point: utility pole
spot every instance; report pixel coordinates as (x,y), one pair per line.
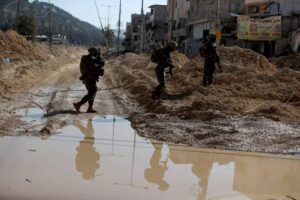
(17,14)
(142,28)
(49,31)
(101,25)
(119,26)
(219,22)
(109,7)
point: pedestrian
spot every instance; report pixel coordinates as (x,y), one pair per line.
(163,60)
(210,54)
(91,68)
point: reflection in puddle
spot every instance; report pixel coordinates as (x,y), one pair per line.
(104,158)
(155,173)
(30,114)
(87,158)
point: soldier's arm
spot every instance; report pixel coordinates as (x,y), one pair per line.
(100,61)
(82,65)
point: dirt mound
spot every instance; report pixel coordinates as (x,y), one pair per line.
(291,61)
(180,58)
(246,58)
(250,84)
(15,46)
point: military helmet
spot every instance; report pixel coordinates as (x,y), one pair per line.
(93,50)
(172,45)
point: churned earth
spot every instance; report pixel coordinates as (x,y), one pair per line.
(253,106)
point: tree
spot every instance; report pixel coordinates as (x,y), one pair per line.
(109,35)
(26,25)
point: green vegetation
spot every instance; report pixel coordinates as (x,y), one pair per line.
(34,18)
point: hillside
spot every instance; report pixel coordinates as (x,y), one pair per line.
(62,22)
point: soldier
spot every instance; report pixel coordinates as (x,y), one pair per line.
(210,54)
(91,68)
(163,60)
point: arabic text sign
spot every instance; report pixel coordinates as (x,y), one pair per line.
(259,29)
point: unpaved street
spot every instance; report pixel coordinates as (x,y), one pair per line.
(54,96)
(55,91)
(252,106)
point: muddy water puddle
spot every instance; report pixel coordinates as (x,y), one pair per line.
(103,158)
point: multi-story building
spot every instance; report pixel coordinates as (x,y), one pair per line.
(127,37)
(156,26)
(178,27)
(211,16)
(287,19)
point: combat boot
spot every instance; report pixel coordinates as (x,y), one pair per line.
(90,108)
(77,106)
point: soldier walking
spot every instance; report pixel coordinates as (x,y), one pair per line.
(210,54)
(91,68)
(163,60)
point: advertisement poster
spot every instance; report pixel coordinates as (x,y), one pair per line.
(259,29)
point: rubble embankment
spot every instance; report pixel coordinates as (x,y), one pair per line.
(252,104)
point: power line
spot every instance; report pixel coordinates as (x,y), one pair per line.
(109,7)
(101,25)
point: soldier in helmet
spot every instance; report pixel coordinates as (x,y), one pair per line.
(163,60)
(91,68)
(210,54)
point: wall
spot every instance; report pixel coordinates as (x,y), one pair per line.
(208,9)
(287,7)
(159,13)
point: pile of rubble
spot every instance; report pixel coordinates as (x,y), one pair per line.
(15,47)
(291,61)
(250,84)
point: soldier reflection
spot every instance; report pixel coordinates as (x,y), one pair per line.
(202,166)
(156,172)
(202,171)
(87,157)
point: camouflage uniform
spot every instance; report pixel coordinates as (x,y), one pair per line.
(90,68)
(211,57)
(163,62)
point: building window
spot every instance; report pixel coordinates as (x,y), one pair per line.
(274,8)
(152,11)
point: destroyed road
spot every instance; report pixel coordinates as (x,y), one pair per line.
(188,114)
(137,148)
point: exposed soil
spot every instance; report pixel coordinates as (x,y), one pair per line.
(291,61)
(252,106)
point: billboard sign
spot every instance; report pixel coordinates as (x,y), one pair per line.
(257,29)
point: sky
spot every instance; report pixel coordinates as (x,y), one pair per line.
(85,9)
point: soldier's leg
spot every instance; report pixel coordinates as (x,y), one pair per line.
(92,94)
(205,75)
(92,90)
(205,79)
(161,80)
(211,75)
